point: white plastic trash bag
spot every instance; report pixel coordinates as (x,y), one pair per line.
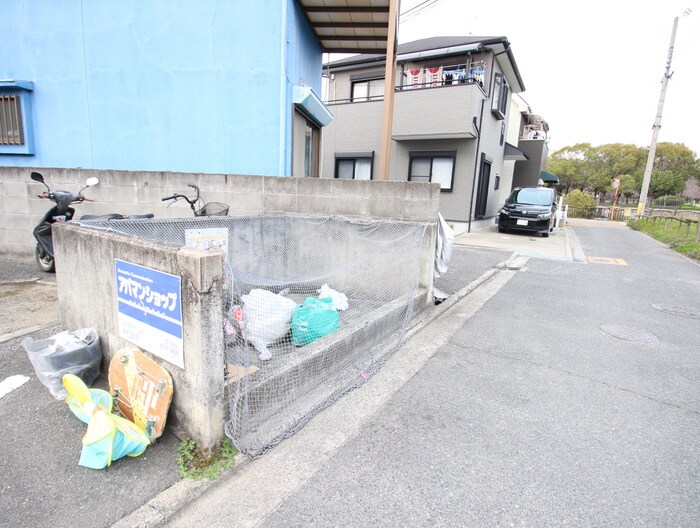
(267,317)
(76,352)
(340,300)
(443,248)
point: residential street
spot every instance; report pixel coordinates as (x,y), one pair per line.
(508,405)
(519,410)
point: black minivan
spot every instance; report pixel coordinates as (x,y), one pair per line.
(529,209)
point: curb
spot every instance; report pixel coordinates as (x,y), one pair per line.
(428,316)
(20,333)
(164,506)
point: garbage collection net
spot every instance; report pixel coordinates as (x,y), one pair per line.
(313,306)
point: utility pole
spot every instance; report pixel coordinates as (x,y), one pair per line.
(389,80)
(657,125)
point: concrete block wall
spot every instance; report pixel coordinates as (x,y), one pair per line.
(129,192)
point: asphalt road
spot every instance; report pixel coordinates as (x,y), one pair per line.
(41,484)
(519,411)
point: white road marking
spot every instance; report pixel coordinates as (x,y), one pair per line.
(9,384)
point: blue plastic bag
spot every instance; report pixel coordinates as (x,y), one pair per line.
(108,437)
(313,319)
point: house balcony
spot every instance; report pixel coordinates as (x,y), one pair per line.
(445,111)
(437,112)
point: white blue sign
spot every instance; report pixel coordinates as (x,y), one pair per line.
(149,310)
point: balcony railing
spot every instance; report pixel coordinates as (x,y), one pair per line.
(430,77)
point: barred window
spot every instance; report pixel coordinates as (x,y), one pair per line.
(11,130)
(16,132)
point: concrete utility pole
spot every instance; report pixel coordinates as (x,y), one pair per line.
(657,125)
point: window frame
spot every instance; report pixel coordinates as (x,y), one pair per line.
(22,91)
(367,82)
(499,98)
(431,155)
(354,156)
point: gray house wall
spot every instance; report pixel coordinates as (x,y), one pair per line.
(454,204)
(428,119)
(527,173)
(356,127)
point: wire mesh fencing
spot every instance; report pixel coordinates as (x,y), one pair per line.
(314,305)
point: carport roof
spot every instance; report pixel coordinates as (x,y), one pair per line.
(349,26)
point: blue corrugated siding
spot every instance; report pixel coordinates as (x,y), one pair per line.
(160,85)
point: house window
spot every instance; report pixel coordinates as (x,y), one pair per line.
(15,117)
(499,101)
(437,167)
(368,90)
(11,130)
(311,150)
(354,166)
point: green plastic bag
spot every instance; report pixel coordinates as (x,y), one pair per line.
(313,319)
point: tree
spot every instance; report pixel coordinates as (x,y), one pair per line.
(581,205)
(692,190)
(582,166)
(677,158)
(628,186)
(616,159)
(571,165)
(666,182)
(598,183)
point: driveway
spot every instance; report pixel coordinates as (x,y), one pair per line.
(561,244)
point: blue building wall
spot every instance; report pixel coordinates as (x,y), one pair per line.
(199,86)
(303,64)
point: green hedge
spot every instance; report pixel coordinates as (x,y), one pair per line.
(581,205)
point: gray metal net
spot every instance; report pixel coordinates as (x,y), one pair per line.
(314,305)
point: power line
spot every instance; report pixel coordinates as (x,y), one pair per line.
(417,10)
(417,6)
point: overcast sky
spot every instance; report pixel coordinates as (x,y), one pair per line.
(592,69)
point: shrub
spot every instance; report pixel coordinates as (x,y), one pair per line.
(581,205)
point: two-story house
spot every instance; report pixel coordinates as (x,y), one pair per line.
(450,121)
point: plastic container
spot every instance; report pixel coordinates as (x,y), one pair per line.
(76,352)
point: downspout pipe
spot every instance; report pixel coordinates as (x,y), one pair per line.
(476,164)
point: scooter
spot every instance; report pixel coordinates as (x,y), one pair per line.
(61,212)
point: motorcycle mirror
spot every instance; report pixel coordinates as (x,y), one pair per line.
(90,182)
(37,177)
